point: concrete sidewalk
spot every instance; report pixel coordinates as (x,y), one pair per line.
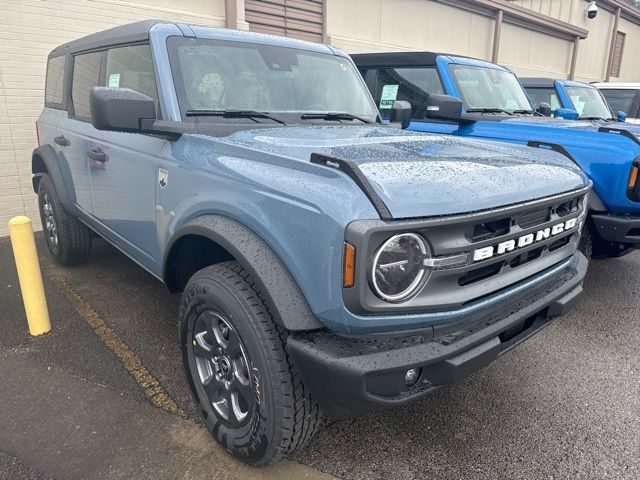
(71,428)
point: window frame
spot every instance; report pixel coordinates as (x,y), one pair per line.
(102,75)
(65,76)
(555,92)
(635,101)
(370,76)
(71,108)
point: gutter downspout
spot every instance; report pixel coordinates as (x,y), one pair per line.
(574,58)
(497,30)
(612,46)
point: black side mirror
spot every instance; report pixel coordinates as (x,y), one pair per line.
(401,113)
(121,110)
(443,107)
(544,108)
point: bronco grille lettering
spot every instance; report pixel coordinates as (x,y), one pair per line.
(515,243)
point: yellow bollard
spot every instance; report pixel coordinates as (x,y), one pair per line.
(24,251)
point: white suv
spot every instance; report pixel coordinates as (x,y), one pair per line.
(623,97)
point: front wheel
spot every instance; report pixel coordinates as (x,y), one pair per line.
(246,387)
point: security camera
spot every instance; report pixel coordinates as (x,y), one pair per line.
(592,10)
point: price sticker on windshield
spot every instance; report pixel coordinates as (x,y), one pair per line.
(389,94)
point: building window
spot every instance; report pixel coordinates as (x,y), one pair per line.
(618,48)
(302,19)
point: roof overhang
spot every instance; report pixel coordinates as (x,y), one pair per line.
(523,17)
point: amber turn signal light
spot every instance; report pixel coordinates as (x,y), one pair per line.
(633,178)
(349,266)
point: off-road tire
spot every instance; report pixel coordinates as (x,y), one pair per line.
(585,244)
(73,245)
(283,417)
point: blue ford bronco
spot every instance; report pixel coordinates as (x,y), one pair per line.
(474,98)
(328,264)
(570,100)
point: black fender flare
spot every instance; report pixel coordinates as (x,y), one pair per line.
(280,291)
(594,202)
(63,183)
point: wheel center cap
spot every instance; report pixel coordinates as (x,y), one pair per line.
(225,365)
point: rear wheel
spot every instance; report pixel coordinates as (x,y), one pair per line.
(68,239)
(247,389)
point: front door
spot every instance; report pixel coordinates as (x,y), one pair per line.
(124,166)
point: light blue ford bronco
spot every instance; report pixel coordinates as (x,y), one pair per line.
(328,264)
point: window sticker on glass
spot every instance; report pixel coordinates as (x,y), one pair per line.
(343,67)
(114,80)
(389,94)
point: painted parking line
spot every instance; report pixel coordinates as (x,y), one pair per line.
(129,360)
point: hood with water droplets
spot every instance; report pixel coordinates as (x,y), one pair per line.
(419,175)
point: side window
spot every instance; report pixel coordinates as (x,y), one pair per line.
(86,74)
(132,67)
(619,100)
(548,95)
(410,84)
(54,83)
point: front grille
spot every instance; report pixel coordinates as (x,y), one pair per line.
(534,217)
(518,240)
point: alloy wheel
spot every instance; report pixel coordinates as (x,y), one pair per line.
(222,368)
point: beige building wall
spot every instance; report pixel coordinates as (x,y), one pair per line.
(29,30)
(593,53)
(358,26)
(630,67)
(531,53)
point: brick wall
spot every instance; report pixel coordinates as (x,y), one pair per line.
(29,30)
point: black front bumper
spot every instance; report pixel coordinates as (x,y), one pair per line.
(349,376)
(618,228)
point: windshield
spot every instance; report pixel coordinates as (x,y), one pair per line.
(588,102)
(216,75)
(489,88)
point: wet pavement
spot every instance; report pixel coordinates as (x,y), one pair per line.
(566,404)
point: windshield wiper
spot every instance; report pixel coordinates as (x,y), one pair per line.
(233,114)
(488,110)
(596,118)
(333,116)
(529,112)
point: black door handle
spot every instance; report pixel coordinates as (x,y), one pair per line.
(61,140)
(97,154)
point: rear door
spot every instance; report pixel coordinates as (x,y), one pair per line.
(74,131)
(123,166)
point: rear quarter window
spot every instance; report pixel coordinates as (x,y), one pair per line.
(54,82)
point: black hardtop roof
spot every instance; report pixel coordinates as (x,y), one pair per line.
(130,33)
(537,82)
(395,59)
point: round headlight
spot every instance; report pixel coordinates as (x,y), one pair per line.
(398,267)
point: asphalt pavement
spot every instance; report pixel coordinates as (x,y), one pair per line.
(565,404)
